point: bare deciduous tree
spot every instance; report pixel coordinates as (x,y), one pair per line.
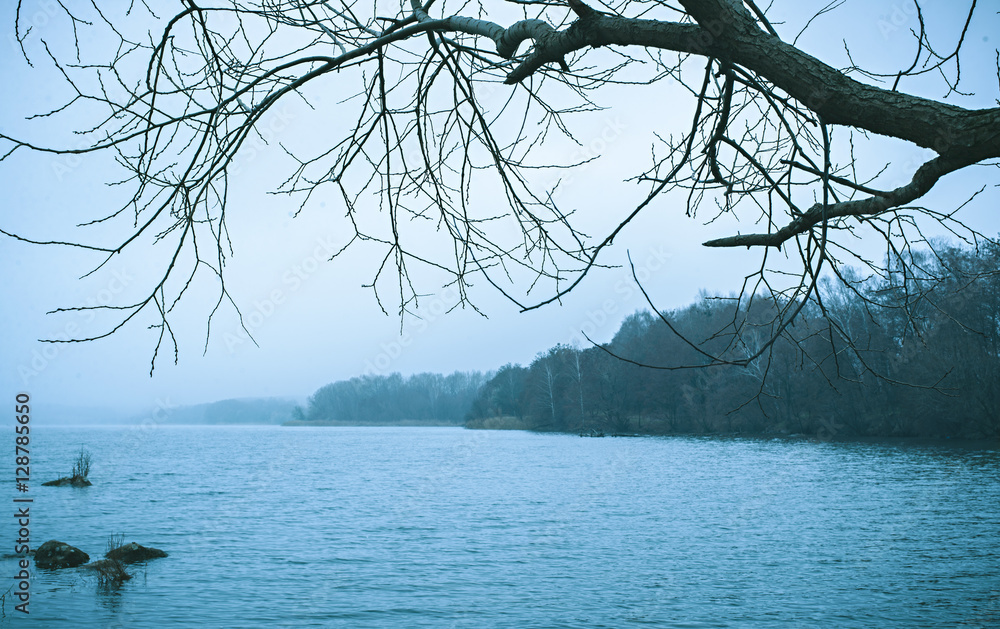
(184,93)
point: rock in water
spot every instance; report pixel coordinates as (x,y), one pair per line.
(75,481)
(132,552)
(54,554)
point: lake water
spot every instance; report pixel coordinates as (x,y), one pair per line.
(429,527)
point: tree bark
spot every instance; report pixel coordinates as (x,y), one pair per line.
(729,33)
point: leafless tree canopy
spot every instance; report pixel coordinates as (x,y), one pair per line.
(769,135)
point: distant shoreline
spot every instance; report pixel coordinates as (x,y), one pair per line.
(430,423)
(513,423)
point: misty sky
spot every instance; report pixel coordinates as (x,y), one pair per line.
(312,319)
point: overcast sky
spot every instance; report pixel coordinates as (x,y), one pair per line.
(312,319)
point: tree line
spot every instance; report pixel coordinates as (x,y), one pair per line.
(375,399)
(912,352)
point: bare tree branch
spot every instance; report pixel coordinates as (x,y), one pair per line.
(448,104)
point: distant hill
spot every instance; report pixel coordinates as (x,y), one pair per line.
(425,423)
(259,411)
(239,411)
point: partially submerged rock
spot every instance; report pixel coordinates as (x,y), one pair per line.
(132,553)
(55,554)
(75,481)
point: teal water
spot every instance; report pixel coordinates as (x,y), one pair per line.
(442,527)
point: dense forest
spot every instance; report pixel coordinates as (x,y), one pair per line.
(421,399)
(914,353)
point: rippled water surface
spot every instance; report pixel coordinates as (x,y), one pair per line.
(427,527)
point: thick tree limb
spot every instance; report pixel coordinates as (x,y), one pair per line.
(732,35)
(924,179)
(727,31)
(428,132)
